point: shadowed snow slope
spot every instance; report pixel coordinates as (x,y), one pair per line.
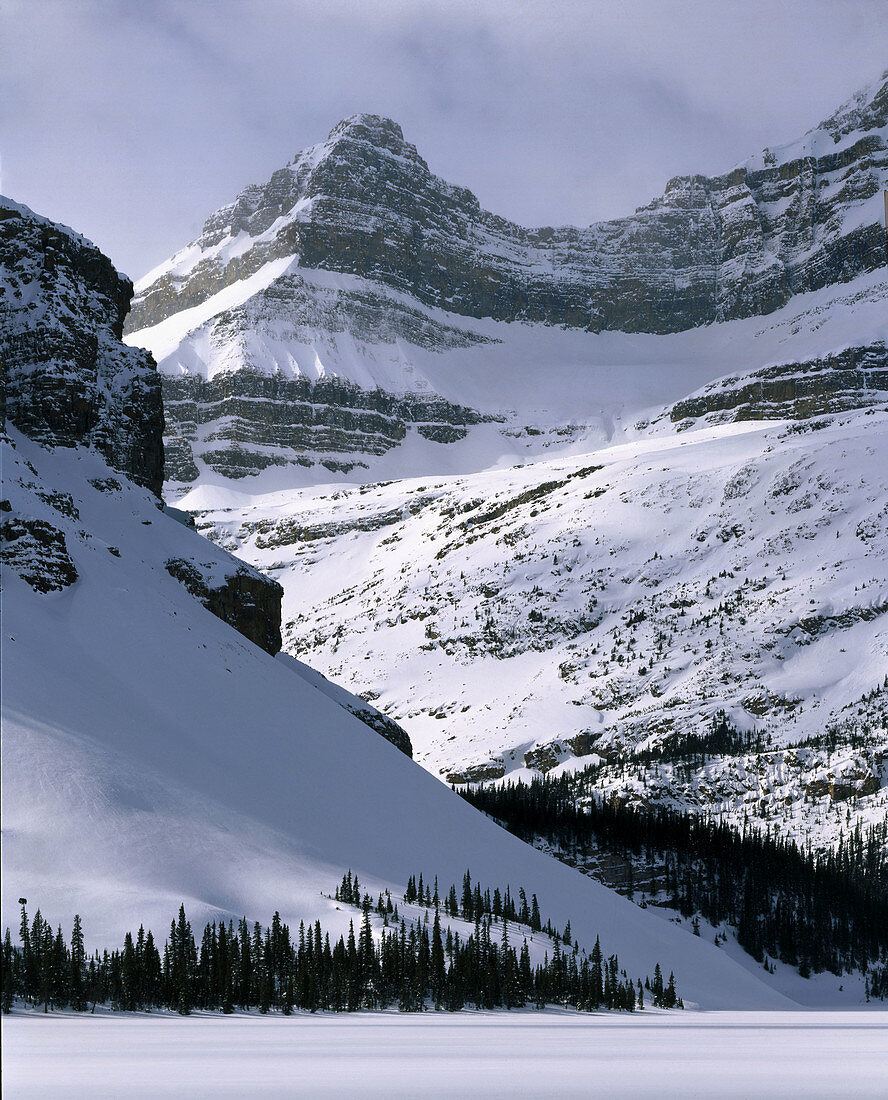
(153,755)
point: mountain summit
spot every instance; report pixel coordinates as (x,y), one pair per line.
(709,249)
(356,307)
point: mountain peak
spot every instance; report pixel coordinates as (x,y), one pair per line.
(375,130)
(867,109)
(365,203)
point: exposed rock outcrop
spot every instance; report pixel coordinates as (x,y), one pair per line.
(478,773)
(67,378)
(856,377)
(244,598)
(37,552)
(545,757)
(242,422)
(385,727)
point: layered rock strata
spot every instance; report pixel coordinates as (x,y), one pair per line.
(855,377)
(709,249)
(242,422)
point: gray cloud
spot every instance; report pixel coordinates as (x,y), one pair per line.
(134,119)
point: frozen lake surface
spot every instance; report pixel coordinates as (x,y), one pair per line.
(716,1054)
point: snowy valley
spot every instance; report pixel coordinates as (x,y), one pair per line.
(156,753)
(410,480)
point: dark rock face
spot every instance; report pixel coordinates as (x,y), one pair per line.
(710,249)
(243,598)
(260,420)
(69,381)
(37,551)
(67,378)
(545,757)
(478,773)
(853,378)
(385,727)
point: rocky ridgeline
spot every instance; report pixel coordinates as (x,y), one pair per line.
(242,422)
(709,249)
(855,377)
(67,378)
(316,293)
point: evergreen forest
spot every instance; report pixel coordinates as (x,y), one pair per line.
(815,911)
(408,964)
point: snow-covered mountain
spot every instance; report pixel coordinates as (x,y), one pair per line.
(596,492)
(152,754)
(593,546)
(594,608)
(359,317)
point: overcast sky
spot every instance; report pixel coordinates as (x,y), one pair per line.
(132,120)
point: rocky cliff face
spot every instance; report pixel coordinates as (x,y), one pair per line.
(853,378)
(67,378)
(68,381)
(242,422)
(274,382)
(709,249)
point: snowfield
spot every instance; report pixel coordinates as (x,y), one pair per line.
(815,1056)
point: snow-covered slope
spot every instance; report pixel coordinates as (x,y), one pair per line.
(153,755)
(588,608)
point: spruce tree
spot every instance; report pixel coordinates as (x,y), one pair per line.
(77,979)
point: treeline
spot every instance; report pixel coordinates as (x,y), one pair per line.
(814,911)
(412,965)
(695,749)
